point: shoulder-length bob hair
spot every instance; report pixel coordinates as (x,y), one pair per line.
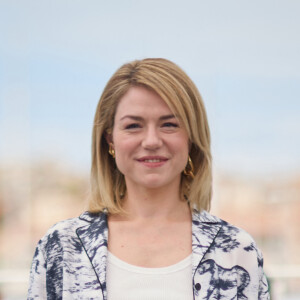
(179,92)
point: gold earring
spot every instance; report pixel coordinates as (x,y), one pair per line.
(111,150)
(189,169)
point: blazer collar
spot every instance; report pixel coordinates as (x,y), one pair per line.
(205,228)
(94,237)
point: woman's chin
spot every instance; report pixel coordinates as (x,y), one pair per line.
(156,183)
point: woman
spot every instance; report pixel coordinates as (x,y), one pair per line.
(147,234)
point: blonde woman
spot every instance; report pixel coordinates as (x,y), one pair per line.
(147,233)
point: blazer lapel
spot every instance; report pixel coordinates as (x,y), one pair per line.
(205,228)
(93,237)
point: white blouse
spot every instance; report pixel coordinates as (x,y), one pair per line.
(166,283)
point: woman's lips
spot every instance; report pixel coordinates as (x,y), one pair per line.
(153,161)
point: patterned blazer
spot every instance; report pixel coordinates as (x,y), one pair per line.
(70,261)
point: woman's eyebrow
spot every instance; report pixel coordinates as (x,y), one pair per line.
(167,117)
(138,118)
(135,118)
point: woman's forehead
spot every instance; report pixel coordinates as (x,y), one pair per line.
(141,101)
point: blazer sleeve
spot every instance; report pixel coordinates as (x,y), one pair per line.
(37,281)
(263,289)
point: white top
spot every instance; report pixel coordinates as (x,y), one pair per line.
(129,282)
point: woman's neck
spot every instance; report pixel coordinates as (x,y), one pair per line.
(155,204)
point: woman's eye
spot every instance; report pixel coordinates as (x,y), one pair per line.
(132,126)
(170,125)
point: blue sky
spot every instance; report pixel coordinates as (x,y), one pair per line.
(244,56)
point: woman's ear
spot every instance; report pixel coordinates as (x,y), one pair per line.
(190,145)
(108,137)
(109,140)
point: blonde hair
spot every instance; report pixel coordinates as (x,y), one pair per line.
(179,92)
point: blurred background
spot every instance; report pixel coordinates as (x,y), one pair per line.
(55,58)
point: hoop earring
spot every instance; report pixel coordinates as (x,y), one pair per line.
(111,150)
(189,169)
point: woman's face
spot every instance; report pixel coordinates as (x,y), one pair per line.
(150,143)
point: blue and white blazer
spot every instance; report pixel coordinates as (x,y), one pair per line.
(70,261)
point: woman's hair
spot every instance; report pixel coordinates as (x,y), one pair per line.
(179,92)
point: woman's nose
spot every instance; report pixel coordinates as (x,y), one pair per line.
(152,139)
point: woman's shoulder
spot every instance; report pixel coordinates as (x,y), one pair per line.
(66,230)
(228,237)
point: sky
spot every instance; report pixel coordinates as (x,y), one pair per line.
(244,56)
